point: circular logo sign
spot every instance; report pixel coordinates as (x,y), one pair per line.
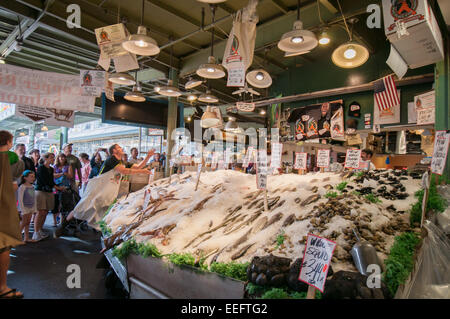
(402,9)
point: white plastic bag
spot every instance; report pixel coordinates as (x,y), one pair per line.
(100,193)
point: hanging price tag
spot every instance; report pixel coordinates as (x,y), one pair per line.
(261,170)
(352,159)
(277,150)
(236,76)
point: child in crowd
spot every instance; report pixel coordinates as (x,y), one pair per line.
(85,172)
(27,202)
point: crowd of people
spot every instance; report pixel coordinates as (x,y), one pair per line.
(33,186)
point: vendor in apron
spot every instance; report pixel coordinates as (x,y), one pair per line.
(365,163)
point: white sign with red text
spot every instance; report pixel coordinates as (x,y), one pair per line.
(323,158)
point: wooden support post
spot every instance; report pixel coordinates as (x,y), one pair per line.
(311,294)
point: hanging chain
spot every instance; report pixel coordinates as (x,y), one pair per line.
(345,20)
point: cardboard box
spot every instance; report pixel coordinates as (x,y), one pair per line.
(424,44)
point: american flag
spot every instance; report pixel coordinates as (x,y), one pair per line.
(386,93)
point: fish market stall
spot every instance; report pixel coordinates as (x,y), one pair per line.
(225,221)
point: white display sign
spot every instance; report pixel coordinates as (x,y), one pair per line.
(245,107)
(323,158)
(425,116)
(352,159)
(316,261)
(236,76)
(52,117)
(109,40)
(386,116)
(23,86)
(440,152)
(261,170)
(92,82)
(248,157)
(277,151)
(301,161)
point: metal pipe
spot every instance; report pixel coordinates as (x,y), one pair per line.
(426,78)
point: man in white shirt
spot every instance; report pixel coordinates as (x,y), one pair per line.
(366,160)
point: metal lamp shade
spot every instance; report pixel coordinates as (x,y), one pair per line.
(211,1)
(122,79)
(208,98)
(134,96)
(259,78)
(231,125)
(288,40)
(192,83)
(211,70)
(141,44)
(170,90)
(360,52)
(209,119)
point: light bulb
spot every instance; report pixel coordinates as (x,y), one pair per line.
(260,76)
(157,89)
(192,98)
(324,40)
(350,53)
(297,40)
(262,112)
(210,70)
(122,78)
(170,91)
(141,43)
(189,119)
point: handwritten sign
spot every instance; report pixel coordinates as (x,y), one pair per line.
(245,107)
(300,160)
(92,82)
(236,76)
(323,158)
(248,157)
(425,116)
(440,152)
(261,170)
(277,150)
(316,261)
(352,159)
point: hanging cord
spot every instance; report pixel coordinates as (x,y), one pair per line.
(320,15)
(213,10)
(142,15)
(118,12)
(345,21)
(298,10)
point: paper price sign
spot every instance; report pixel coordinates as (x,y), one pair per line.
(92,83)
(316,261)
(440,151)
(425,116)
(248,157)
(323,158)
(261,170)
(277,150)
(352,159)
(300,160)
(245,107)
(236,76)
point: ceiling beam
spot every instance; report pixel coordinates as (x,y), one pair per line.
(280,6)
(9,43)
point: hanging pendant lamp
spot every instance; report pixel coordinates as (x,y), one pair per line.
(208,97)
(231,125)
(324,38)
(298,40)
(135,95)
(192,83)
(211,70)
(140,43)
(170,90)
(122,79)
(259,78)
(351,54)
(209,118)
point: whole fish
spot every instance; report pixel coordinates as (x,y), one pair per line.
(241,252)
(310,199)
(273,220)
(289,220)
(259,225)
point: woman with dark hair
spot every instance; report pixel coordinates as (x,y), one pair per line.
(10,226)
(97,162)
(62,173)
(45,200)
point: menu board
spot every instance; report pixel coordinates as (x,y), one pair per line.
(440,152)
(261,170)
(352,159)
(323,158)
(316,261)
(301,160)
(277,150)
